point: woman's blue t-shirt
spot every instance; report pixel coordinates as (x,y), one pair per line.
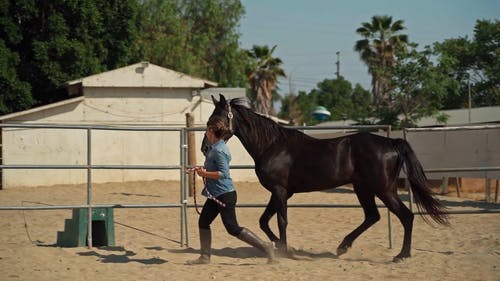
(218,159)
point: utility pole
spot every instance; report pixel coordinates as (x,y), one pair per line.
(470,99)
(338,65)
(291,88)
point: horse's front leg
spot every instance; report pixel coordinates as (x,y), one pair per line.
(265,218)
(280,203)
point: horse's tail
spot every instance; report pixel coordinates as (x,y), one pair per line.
(418,182)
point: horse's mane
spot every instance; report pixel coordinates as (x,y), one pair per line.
(263,129)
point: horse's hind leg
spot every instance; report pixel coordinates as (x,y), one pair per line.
(367,201)
(405,216)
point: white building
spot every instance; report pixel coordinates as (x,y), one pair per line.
(141,94)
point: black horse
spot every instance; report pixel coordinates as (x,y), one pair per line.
(287,161)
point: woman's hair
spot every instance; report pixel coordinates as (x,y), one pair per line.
(218,126)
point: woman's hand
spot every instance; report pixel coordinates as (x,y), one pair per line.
(206,174)
(201,172)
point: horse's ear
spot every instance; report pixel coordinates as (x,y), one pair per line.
(213,100)
(222,98)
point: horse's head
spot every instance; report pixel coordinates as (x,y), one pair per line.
(222,109)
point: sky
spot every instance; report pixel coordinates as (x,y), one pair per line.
(308,33)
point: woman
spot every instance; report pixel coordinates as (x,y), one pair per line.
(221,196)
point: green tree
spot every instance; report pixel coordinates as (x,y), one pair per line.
(196,37)
(454,56)
(14,93)
(362,109)
(343,102)
(486,46)
(381,38)
(337,95)
(290,110)
(263,74)
(165,36)
(475,61)
(306,104)
(61,40)
(418,88)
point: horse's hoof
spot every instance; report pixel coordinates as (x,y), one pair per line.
(281,252)
(287,252)
(399,258)
(272,261)
(341,251)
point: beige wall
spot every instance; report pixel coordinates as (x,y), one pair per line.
(448,149)
(143,106)
(463,148)
(68,147)
(113,106)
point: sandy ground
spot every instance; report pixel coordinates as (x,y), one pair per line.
(148,240)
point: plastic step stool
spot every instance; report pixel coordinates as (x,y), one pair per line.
(75,229)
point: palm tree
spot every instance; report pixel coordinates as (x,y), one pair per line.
(381,39)
(263,74)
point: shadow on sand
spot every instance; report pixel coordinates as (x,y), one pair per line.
(483,205)
(125,257)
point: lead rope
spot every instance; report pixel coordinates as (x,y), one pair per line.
(192,171)
(194,193)
(209,195)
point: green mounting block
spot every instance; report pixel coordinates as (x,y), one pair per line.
(75,229)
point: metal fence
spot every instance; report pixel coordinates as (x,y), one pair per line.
(407,131)
(183,204)
(89,167)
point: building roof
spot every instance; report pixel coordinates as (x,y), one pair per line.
(139,75)
(142,75)
(41,108)
(488,114)
(456,117)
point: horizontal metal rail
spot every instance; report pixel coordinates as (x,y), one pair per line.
(354,206)
(456,128)
(465,169)
(86,127)
(356,127)
(63,207)
(315,128)
(84,167)
(243,205)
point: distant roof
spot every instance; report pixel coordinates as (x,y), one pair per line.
(478,115)
(488,114)
(142,74)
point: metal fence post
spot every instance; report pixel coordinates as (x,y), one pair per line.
(389,225)
(183,150)
(89,187)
